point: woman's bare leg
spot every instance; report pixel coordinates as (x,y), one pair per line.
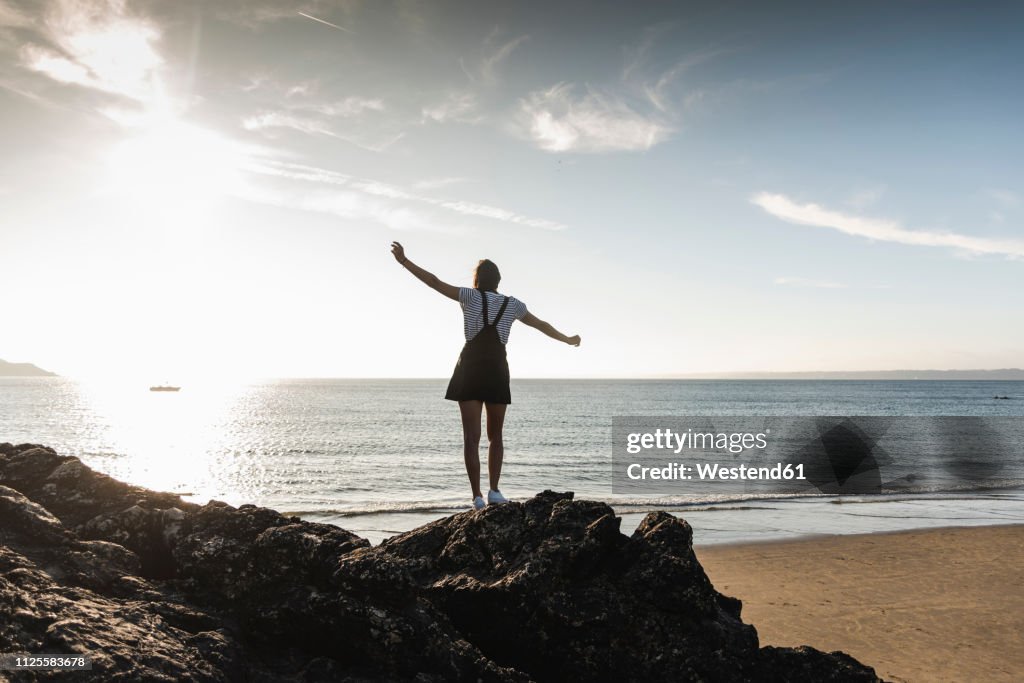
(495,447)
(471,441)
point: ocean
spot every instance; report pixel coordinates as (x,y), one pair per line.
(382,456)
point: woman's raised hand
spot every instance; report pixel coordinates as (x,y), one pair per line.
(398,251)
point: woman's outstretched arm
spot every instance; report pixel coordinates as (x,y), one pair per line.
(533,321)
(426,277)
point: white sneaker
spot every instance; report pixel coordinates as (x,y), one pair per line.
(495,498)
(478,503)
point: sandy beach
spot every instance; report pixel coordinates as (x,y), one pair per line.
(930,605)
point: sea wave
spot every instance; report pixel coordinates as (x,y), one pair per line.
(706,503)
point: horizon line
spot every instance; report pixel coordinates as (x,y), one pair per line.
(1014,374)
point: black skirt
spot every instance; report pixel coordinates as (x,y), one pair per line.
(482,371)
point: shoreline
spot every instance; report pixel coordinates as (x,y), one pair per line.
(940,604)
(810,538)
(766,520)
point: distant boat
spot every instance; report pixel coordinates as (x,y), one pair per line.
(165,388)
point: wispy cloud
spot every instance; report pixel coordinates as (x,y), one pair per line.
(658,91)
(99,45)
(350,205)
(350,106)
(294,171)
(495,213)
(324,119)
(634,113)
(56,66)
(662,90)
(638,54)
(460,107)
(278,119)
(300,89)
(882,230)
(559,119)
(332,193)
(489,68)
(495,53)
(660,86)
(458,206)
(397,195)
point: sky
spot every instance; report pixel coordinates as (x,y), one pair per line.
(211,187)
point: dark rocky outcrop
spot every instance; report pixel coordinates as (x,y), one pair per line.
(155,588)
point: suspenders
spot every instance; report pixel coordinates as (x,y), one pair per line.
(501,310)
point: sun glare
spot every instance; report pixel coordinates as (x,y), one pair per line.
(163,195)
(169,441)
(172,166)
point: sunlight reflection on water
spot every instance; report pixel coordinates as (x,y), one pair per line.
(171,441)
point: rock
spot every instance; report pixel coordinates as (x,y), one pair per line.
(807,664)
(552,588)
(72,491)
(155,588)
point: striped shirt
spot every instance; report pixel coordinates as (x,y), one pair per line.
(473,312)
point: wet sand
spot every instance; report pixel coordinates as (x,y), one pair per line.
(928,605)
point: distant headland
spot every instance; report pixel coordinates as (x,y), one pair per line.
(23,370)
(1000,374)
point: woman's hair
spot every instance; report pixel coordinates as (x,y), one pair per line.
(486,276)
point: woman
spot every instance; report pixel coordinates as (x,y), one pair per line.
(481,379)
